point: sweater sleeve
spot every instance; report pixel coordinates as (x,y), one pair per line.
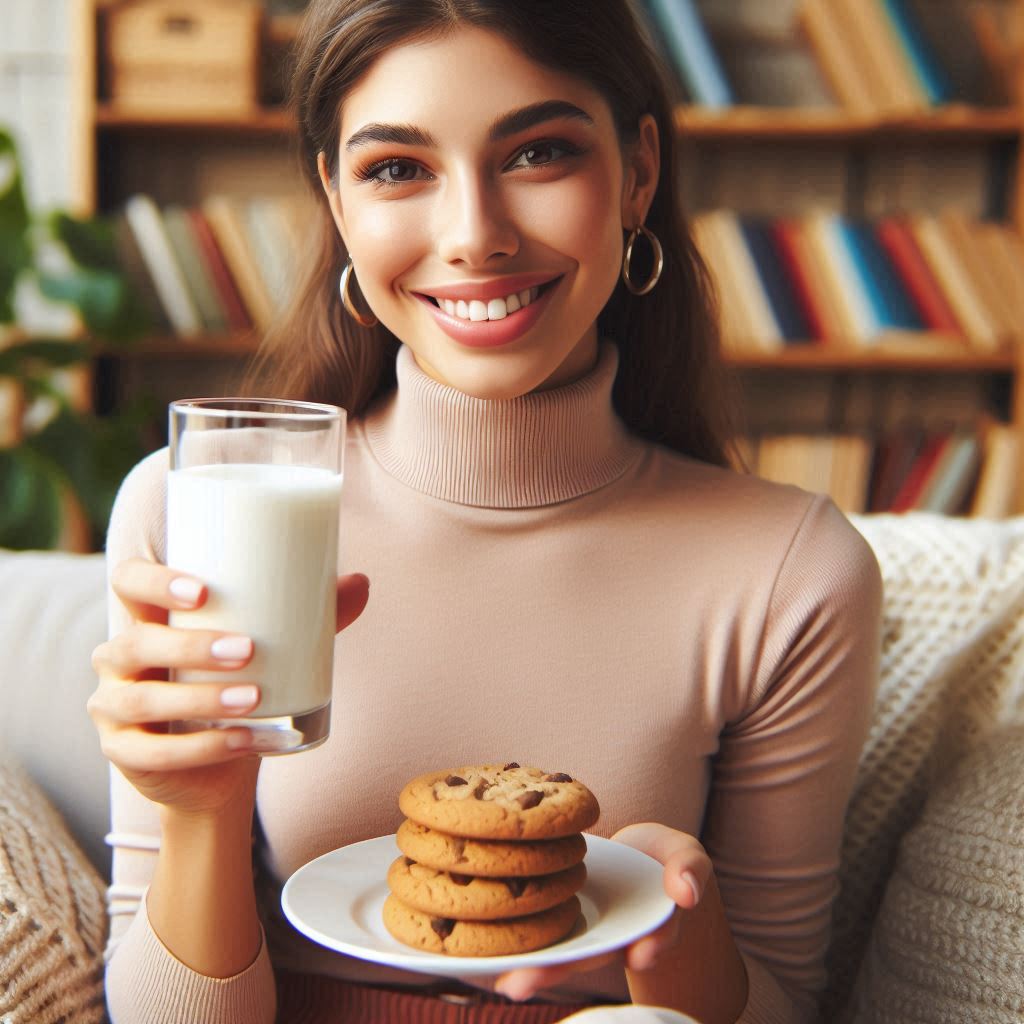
(145,983)
(785,767)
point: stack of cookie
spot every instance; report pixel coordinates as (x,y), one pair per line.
(493,859)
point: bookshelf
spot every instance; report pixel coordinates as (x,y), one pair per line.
(179,157)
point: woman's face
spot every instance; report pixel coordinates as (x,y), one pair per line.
(482,198)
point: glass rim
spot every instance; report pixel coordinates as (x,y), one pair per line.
(259,408)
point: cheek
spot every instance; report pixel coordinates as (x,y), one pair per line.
(384,239)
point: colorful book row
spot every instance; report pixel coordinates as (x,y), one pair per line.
(220,267)
(827,278)
(871,57)
(906,469)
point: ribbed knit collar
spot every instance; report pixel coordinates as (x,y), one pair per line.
(541,448)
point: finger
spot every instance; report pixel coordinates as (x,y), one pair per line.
(644,953)
(148,590)
(134,749)
(526,982)
(147,645)
(353,593)
(687,867)
(145,702)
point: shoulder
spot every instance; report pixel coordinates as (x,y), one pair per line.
(138,518)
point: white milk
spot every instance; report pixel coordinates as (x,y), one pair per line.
(264,538)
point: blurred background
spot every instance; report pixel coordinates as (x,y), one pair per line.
(850,171)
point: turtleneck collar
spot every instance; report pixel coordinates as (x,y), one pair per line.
(538,449)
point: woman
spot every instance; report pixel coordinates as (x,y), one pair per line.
(565,570)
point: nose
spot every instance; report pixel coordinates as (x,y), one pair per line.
(474,226)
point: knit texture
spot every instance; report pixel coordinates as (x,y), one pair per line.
(52,916)
(948,945)
(952,671)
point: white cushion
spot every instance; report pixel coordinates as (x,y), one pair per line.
(52,616)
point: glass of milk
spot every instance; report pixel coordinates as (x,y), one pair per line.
(253,499)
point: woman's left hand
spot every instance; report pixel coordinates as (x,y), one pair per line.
(687,873)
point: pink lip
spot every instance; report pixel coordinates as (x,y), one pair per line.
(484,291)
(489,333)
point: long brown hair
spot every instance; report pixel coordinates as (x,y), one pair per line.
(671,387)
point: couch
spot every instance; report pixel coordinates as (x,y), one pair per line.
(929,920)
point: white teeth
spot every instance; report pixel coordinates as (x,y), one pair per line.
(496,309)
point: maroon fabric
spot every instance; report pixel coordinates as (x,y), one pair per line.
(316,999)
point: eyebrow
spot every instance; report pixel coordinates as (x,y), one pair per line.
(505,126)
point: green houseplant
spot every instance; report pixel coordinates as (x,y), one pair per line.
(59,461)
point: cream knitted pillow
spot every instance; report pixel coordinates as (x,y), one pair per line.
(52,913)
(948,944)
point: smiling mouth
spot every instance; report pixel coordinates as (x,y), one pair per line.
(478,311)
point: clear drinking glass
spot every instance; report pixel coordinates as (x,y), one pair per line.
(253,498)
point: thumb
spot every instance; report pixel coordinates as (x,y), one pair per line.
(353,593)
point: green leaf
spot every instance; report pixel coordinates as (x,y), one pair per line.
(107,305)
(15,250)
(90,242)
(29,357)
(31,510)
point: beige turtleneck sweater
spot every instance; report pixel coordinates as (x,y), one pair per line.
(699,646)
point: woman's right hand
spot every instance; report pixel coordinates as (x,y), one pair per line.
(197,772)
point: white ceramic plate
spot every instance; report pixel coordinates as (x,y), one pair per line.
(336,900)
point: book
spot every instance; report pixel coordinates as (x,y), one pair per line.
(924,61)
(1003,253)
(767,332)
(692,53)
(954,477)
(916,479)
(873,54)
(854,282)
(779,288)
(996,493)
(218,273)
(891,61)
(945,263)
(841,69)
(899,242)
(848,329)
(896,451)
(789,246)
(851,471)
(737,329)
(189,259)
(893,308)
(147,225)
(228,227)
(133,265)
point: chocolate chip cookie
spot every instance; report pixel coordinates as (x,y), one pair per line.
(485,858)
(479,938)
(464,898)
(500,802)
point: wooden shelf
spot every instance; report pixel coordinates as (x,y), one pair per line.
(261,120)
(831,124)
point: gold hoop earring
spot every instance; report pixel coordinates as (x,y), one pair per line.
(360,318)
(659,261)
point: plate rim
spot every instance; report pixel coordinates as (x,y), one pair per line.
(421,962)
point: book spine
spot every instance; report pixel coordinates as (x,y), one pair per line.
(777,286)
(786,234)
(769,333)
(923,61)
(686,39)
(936,313)
(238,318)
(835,58)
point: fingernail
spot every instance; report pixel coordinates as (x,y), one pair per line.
(239,696)
(231,648)
(509,991)
(185,590)
(691,880)
(240,739)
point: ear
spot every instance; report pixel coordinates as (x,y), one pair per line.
(643,166)
(333,199)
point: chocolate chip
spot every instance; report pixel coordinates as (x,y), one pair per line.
(460,879)
(481,787)
(409,862)
(558,777)
(443,926)
(529,799)
(455,780)
(516,886)
(510,766)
